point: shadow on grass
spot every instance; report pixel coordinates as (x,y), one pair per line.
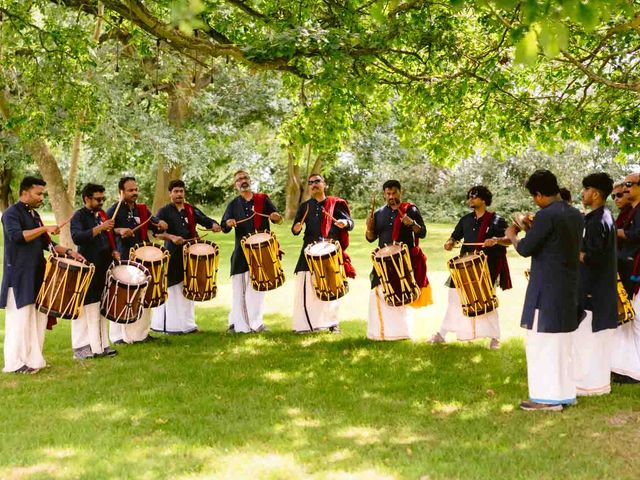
(284,405)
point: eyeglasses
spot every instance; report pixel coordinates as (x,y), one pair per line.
(631,184)
(617,195)
(242,179)
(314,182)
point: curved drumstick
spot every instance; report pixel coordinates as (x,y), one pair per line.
(259,214)
(66,221)
(143,223)
(196,238)
(304,217)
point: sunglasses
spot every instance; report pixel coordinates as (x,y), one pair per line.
(617,195)
(314,182)
(99,199)
(631,184)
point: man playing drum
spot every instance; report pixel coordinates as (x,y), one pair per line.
(625,362)
(245,214)
(597,291)
(480,230)
(322,217)
(132,223)
(25,237)
(397,221)
(177,314)
(91,231)
(550,312)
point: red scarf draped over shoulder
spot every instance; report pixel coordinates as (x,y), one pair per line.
(623,216)
(259,200)
(191,220)
(502,266)
(418,258)
(143,215)
(343,238)
(112,241)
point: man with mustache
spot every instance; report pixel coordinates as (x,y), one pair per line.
(323,217)
(397,221)
(177,314)
(129,216)
(625,362)
(247,307)
(486,228)
(25,238)
(91,230)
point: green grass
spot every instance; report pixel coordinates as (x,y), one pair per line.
(281,405)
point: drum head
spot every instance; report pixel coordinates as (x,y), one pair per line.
(149,253)
(201,249)
(129,274)
(69,262)
(257,238)
(320,248)
(388,250)
(470,258)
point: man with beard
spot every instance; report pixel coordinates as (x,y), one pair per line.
(550,313)
(621,199)
(131,226)
(247,307)
(484,230)
(597,290)
(625,362)
(323,217)
(177,314)
(25,237)
(91,230)
(397,221)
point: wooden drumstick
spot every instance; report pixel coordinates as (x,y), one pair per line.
(304,217)
(143,223)
(117,208)
(66,221)
(373,204)
(328,215)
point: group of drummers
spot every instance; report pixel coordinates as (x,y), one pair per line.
(117,285)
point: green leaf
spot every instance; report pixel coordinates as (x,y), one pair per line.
(527,49)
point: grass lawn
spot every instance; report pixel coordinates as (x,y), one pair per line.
(279,405)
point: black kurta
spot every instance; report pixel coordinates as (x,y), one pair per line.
(467,230)
(129,217)
(24,262)
(553,243)
(178,225)
(95,249)
(628,249)
(383,220)
(598,289)
(238,209)
(312,230)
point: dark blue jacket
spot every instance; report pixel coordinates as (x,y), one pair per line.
(553,243)
(130,218)
(598,272)
(24,262)
(628,248)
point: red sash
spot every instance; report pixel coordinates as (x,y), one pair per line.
(623,216)
(343,238)
(112,241)
(143,214)
(502,266)
(418,258)
(191,220)
(259,200)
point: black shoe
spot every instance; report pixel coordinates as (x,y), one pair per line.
(119,342)
(623,379)
(231,329)
(22,369)
(335,329)
(108,352)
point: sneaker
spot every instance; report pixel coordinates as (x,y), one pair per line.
(22,369)
(335,329)
(109,352)
(231,329)
(436,338)
(119,342)
(32,371)
(530,406)
(83,353)
(261,329)
(494,344)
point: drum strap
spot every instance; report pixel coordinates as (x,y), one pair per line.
(418,258)
(259,200)
(325,226)
(191,220)
(143,214)
(502,266)
(112,241)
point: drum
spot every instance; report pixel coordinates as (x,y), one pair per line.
(65,285)
(262,251)
(124,291)
(392,263)
(327,269)
(625,309)
(156,259)
(471,277)
(200,264)
(523,220)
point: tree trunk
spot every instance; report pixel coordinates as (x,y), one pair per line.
(6,174)
(316,168)
(164,175)
(73,168)
(293,188)
(62,208)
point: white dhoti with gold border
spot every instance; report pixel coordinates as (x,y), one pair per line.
(468,328)
(592,358)
(176,315)
(247,306)
(90,329)
(625,357)
(309,312)
(386,322)
(24,330)
(132,332)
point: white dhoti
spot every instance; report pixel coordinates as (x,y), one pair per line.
(247,305)
(90,329)
(549,366)
(468,328)
(23,336)
(131,332)
(176,315)
(592,358)
(387,322)
(625,357)
(309,312)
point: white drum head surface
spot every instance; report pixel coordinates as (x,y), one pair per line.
(70,261)
(201,249)
(257,238)
(149,253)
(319,249)
(388,250)
(128,274)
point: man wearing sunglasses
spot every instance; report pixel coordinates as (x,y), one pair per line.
(484,230)
(92,232)
(247,213)
(625,363)
(321,216)
(550,312)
